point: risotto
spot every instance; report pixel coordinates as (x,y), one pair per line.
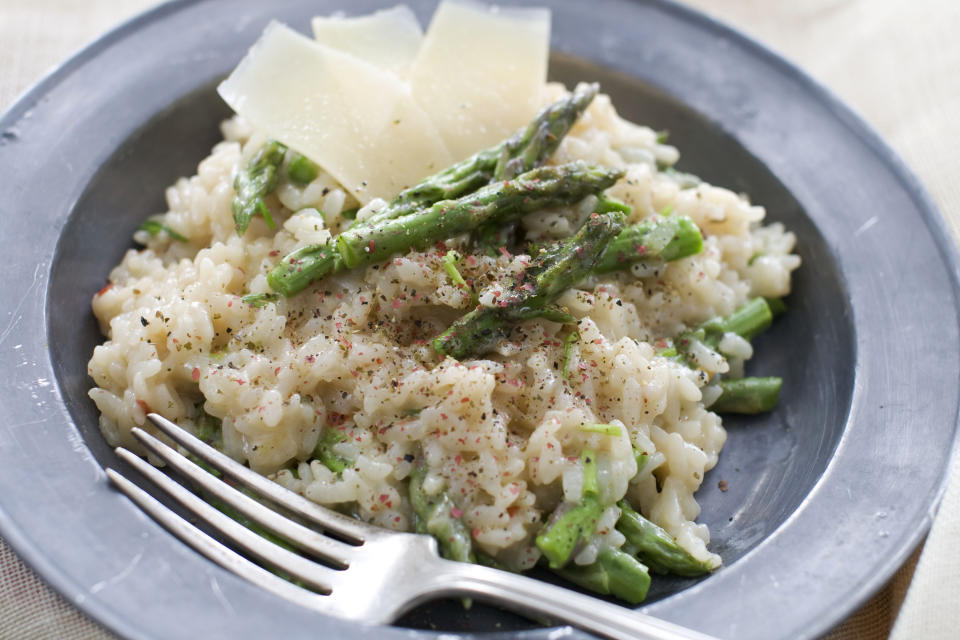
(338,393)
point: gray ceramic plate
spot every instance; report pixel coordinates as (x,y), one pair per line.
(826,497)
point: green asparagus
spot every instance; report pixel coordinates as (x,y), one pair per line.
(462,178)
(536,189)
(655,547)
(302,170)
(747,395)
(522,152)
(746,322)
(480,329)
(252,184)
(324,450)
(450,260)
(572,337)
(777,306)
(602,429)
(525,150)
(606,204)
(439,516)
(258,529)
(210,430)
(301,267)
(257,300)
(365,244)
(532,147)
(641,459)
(571,524)
(551,273)
(613,573)
(662,239)
(490,239)
(153,227)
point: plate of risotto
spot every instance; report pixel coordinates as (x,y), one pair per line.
(611,296)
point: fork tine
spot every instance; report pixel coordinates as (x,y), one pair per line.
(330,520)
(316,575)
(303,537)
(213,550)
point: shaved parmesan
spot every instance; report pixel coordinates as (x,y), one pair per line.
(355,120)
(389,39)
(480,72)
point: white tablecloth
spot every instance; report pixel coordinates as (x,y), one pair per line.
(897,63)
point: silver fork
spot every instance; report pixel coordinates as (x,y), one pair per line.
(361,570)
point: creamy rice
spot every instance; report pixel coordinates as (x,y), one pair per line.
(500,434)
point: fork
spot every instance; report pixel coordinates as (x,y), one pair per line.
(357,572)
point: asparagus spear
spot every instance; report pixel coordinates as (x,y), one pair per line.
(531,148)
(210,430)
(614,573)
(436,515)
(641,458)
(301,267)
(777,306)
(606,204)
(655,547)
(257,300)
(522,152)
(745,395)
(533,190)
(571,524)
(748,395)
(366,244)
(479,330)
(747,321)
(302,170)
(491,237)
(552,272)
(153,227)
(258,529)
(565,370)
(525,150)
(253,183)
(324,450)
(462,178)
(663,239)
(369,243)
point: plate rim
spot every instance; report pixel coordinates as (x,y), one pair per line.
(948,249)
(946,245)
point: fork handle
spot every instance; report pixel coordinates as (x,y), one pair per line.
(526,595)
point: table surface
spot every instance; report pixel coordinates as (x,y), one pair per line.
(896,63)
